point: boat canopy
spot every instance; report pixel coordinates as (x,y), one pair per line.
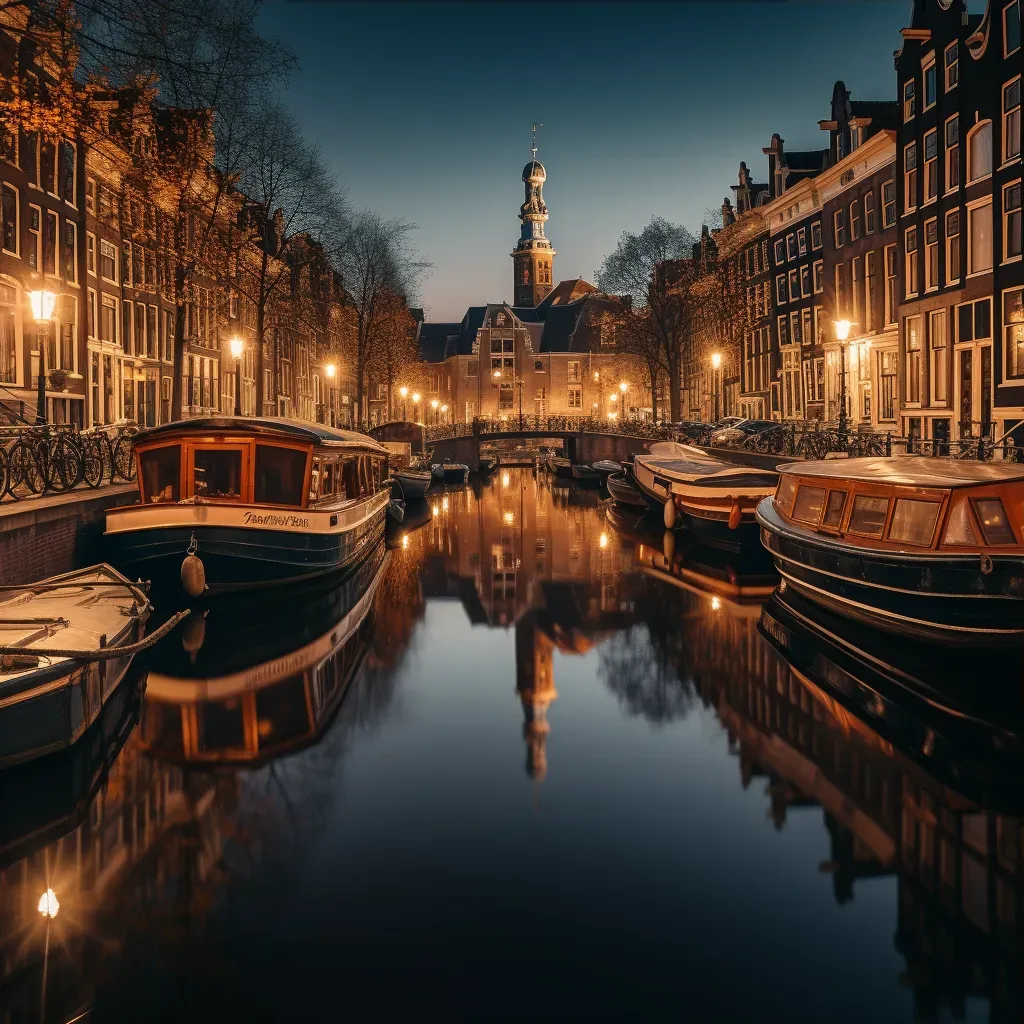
(910,471)
(263,426)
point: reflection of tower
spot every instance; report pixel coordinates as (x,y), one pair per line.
(533,258)
(535,684)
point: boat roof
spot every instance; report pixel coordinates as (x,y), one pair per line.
(911,471)
(300,430)
(684,461)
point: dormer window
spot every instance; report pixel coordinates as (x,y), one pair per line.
(1011,28)
(952,66)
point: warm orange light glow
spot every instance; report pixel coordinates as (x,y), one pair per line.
(434,403)
(843,329)
(505,479)
(404,392)
(42,303)
(330,369)
(509,518)
(444,503)
(415,397)
(716,604)
(716,360)
(603,540)
(623,387)
(48,904)
(405,541)
(436,508)
(238,347)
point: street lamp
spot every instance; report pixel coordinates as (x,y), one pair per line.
(415,405)
(623,388)
(516,382)
(716,364)
(42,303)
(237,347)
(842,333)
(444,413)
(404,392)
(330,369)
(435,405)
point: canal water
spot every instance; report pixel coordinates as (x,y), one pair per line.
(532,762)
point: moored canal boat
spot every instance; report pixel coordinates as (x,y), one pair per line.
(916,546)
(456,473)
(413,483)
(624,491)
(714,499)
(560,467)
(256,501)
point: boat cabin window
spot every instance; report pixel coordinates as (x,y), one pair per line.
(785,493)
(960,529)
(160,469)
(280,475)
(807,507)
(992,517)
(217,473)
(913,522)
(833,517)
(314,481)
(868,515)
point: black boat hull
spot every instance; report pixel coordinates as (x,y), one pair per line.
(949,598)
(624,492)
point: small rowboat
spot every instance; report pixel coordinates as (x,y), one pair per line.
(714,499)
(624,491)
(586,476)
(451,472)
(560,467)
(413,483)
(606,467)
(48,699)
(924,547)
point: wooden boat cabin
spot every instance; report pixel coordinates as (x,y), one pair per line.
(922,546)
(254,499)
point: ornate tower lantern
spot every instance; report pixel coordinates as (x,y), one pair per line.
(533,258)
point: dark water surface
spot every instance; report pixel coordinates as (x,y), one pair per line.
(517,769)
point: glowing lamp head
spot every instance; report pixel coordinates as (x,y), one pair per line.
(612,397)
(434,403)
(416,398)
(597,376)
(48,904)
(444,408)
(331,370)
(237,347)
(42,303)
(623,387)
(404,392)
(716,604)
(509,518)
(842,329)
(613,415)
(716,360)
(497,373)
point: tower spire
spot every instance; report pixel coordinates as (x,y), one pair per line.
(533,148)
(533,258)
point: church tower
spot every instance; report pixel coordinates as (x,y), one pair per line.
(533,259)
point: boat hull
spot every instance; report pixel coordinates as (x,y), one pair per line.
(242,547)
(943,597)
(414,486)
(561,468)
(451,474)
(624,492)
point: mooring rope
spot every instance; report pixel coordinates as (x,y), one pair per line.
(105,653)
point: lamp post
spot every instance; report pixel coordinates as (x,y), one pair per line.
(444,413)
(842,333)
(716,364)
(237,348)
(330,369)
(42,303)
(404,392)
(623,388)
(415,405)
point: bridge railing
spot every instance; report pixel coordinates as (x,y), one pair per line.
(554,424)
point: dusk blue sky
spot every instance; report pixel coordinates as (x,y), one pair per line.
(424,112)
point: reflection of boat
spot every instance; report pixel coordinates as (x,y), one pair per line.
(487,466)
(740,581)
(451,472)
(253,687)
(417,515)
(713,498)
(585,476)
(256,500)
(413,483)
(924,699)
(624,491)
(915,546)
(47,700)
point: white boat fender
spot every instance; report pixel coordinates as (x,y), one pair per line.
(670,514)
(193,572)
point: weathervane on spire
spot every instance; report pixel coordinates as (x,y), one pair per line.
(533,148)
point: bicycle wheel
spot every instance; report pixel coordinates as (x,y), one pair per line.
(92,461)
(124,458)
(60,468)
(5,474)
(24,469)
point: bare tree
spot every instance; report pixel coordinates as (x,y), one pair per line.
(656,268)
(394,353)
(377,262)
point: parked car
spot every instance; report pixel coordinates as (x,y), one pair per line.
(738,432)
(693,430)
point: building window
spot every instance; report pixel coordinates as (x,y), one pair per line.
(839,228)
(931,254)
(869,212)
(840,283)
(887,385)
(472,367)
(974,321)
(854,221)
(90,196)
(870,288)
(952,247)
(938,354)
(1011,119)
(1011,221)
(780,289)
(931,165)
(783,323)
(910,176)
(575,398)
(910,253)
(574,372)
(979,238)
(69,250)
(801,240)
(912,333)
(819,276)
(795,336)
(90,253)
(108,261)
(952,66)
(805,275)
(816,235)
(1013,331)
(66,172)
(890,284)
(780,252)
(909,100)
(979,152)
(794,285)
(108,319)
(856,291)
(791,246)
(1011,28)
(929,83)
(953,153)
(11,234)
(50,243)
(888,204)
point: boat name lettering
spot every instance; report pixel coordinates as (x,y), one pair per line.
(269,519)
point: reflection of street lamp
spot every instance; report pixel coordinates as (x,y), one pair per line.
(842,333)
(42,303)
(237,347)
(716,364)
(331,369)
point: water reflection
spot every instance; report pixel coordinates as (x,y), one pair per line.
(333,786)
